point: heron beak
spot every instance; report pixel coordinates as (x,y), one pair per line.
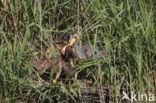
(49,49)
(70,43)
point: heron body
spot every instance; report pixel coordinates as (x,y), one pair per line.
(56,64)
(86,52)
(81,52)
(42,65)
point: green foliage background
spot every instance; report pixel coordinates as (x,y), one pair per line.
(125,29)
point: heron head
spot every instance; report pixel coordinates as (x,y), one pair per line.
(68,35)
(72,39)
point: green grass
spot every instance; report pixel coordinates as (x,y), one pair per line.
(125,29)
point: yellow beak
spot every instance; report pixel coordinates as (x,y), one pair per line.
(70,43)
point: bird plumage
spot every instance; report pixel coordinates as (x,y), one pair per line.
(85,51)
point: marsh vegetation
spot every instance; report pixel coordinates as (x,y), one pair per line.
(124,29)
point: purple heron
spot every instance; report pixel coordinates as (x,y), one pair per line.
(85,51)
(58,65)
